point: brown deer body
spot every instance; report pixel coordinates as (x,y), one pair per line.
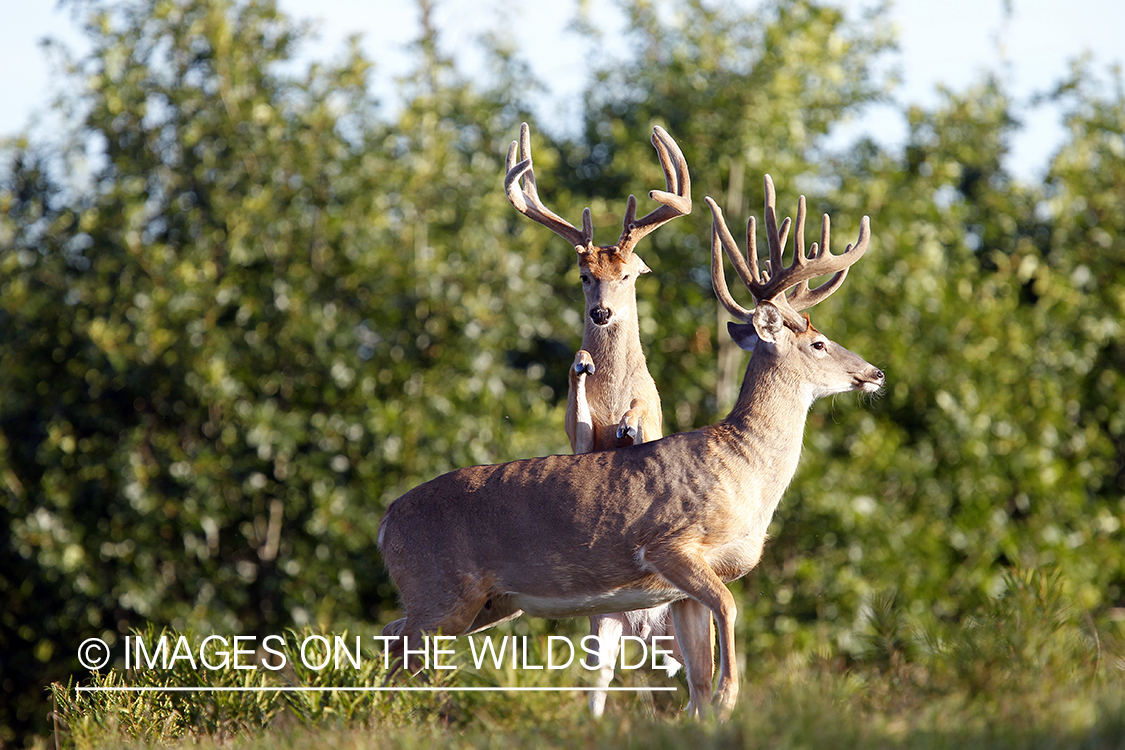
(666,521)
(612,400)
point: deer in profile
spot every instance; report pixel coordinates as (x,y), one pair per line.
(667,521)
(612,399)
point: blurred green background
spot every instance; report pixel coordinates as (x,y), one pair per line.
(243,307)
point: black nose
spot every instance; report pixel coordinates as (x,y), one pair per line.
(879,375)
(600,315)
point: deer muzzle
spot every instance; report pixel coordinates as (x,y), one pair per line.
(871,380)
(601,315)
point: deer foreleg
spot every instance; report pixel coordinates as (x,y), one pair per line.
(632,422)
(692,575)
(579,422)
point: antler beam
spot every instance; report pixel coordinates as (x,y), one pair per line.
(675,200)
(527,202)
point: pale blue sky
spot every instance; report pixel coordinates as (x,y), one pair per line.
(948,42)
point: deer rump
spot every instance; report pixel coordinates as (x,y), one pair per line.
(504,538)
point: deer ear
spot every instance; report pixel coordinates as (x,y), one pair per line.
(768,321)
(744,335)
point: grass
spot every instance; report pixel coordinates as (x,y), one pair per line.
(1027,671)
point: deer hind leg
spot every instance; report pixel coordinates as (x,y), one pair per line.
(444,610)
(692,575)
(695,639)
(632,424)
(608,629)
(645,624)
(579,421)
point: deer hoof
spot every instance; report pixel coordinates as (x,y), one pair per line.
(584,363)
(724,700)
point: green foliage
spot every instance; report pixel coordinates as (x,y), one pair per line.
(1030,633)
(259,307)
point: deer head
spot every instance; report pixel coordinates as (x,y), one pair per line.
(608,272)
(819,365)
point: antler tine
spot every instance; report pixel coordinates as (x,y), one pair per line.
(800,260)
(751,255)
(752,251)
(677,180)
(774,240)
(720,235)
(675,200)
(526,200)
(799,235)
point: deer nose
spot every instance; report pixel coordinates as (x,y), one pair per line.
(601,315)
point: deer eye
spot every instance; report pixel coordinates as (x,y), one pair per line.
(625,277)
(819,346)
(585,279)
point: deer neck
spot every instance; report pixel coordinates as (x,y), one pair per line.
(762,437)
(615,348)
(622,371)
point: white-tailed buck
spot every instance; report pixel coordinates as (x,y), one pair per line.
(612,401)
(671,520)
